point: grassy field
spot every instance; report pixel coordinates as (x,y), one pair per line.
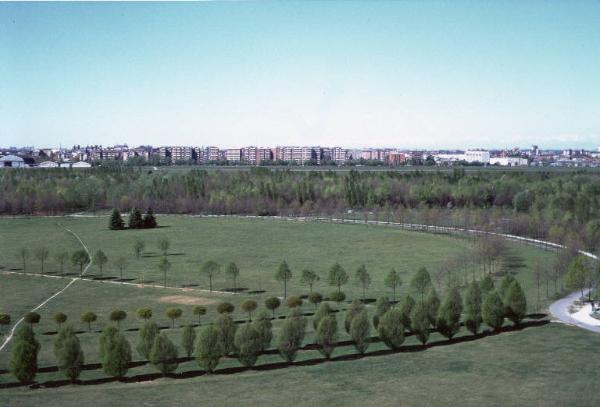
(543,366)
(498,363)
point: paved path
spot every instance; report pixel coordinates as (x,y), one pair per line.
(560,310)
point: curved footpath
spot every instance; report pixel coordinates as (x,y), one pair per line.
(69,284)
(559,309)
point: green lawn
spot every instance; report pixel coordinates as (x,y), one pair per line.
(521,367)
(543,366)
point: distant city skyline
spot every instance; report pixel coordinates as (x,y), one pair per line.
(427,75)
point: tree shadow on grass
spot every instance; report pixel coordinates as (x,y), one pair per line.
(269,366)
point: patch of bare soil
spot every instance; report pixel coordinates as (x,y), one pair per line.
(186,300)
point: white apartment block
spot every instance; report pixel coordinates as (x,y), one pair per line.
(233,155)
(481,156)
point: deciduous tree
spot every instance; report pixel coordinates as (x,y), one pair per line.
(249,306)
(272,303)
(309,278)
(100,260)
(209,348)
(25,348)
(41,254)
(88,317)
(337,277)
(69,356)
(284,275)
(248,344)
(233,272)
(420,282)
(148,333)
(381,307)
(326,335)
(188,337)
(227,328)
(199,311)
(391,329)
(363,279)
(164,265)
(360,331)
(163,354)
(210,269)
(173,314)
(393,281)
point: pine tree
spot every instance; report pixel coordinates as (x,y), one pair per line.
(448,321)
(323,311)
(116,222)
(135,219)
(473,308)
(149,221)
(163,355)
(487,285)
(106,338)
(23,363)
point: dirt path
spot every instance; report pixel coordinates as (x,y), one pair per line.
(69,284)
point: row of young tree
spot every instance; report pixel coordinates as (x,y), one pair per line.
(393,322)
(532,203)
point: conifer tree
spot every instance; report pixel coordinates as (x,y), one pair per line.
(247,343)
(149,219)
(419,319)
(353,310)
(326,335)
(448,320)
(291,336)
(116,222)
(432,302)
(115,353)
(391,329)
(262,324)
(147,334)
(473,308)
(360,331)
(515,303)
(492,311)
(23,363)
(381,307)
(406,307)
(163,354)
(188,337)
(226,328)
(69,356)
(209,349)
(135,219)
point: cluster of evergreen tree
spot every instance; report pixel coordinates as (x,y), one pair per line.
(136,220)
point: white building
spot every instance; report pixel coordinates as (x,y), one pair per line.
(12,161)
(509,161)
(233,155)
(48,164)
(81,164)
(481,156)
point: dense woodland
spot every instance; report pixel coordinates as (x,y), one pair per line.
(532,203)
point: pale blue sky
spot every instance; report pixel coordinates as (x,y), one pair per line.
(401,74)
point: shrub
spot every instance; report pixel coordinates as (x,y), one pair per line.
(144,313)
(337,296)
(360,331)
(173,314)
(315,298)
(227,328)
(248,343)
(209,349)
(199,311)
(391,329)
(25,349)
(60,318)
(225,308)
(163,354)
(381,307)
(117,316)
(32,318)
(294,302)
(249,306)
(148,333)
(326,335)
(272,304)
(88,317)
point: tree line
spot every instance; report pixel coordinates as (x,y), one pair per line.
(531,203)
(420,315)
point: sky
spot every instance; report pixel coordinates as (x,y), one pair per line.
(405,74)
